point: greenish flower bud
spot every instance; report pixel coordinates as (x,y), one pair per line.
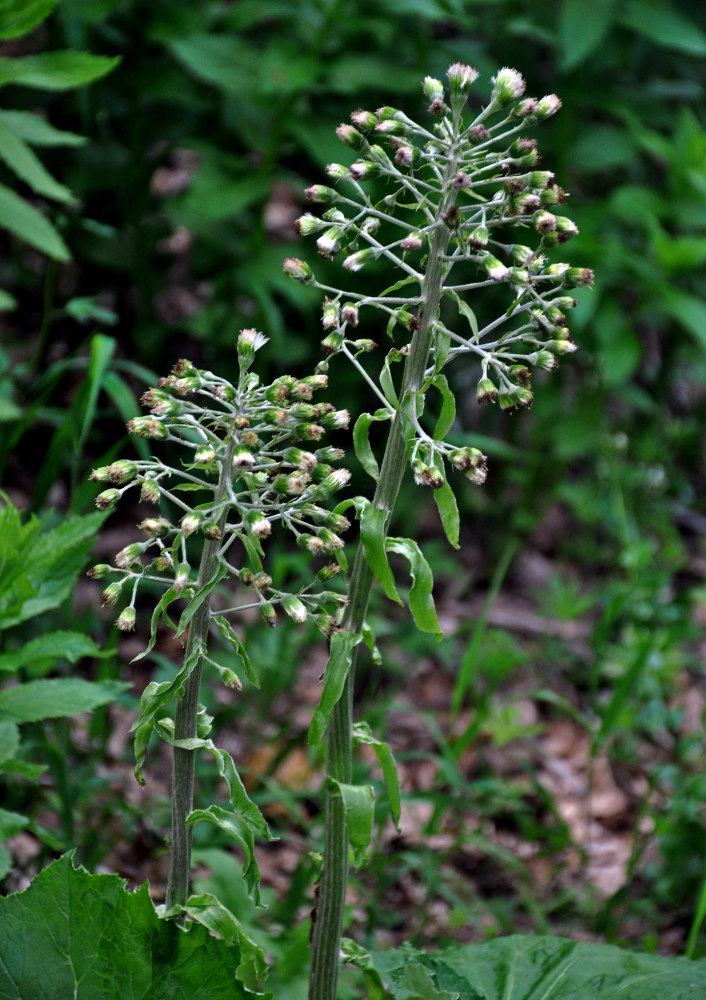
(212,531)
(155,527)
(519,276)
(364,119)
(321,194)
(269,614)
(541,179)
(333,342)
(337,171)
(99,571)
(495,268)
(336,420)
(205,456)
(525,109)
(126,620)
(328,244)
(544,222)
(129,554)
(304,460)
(100,475)
(333,482)
(359,259)
(328,572)
(349,314)
(547,106)
(556,316)
(579,276)
(122,471)
(249,341)
(387,112)
(308,224)
(364,170)
(331,540)
(111,594)
(508,85)
(565,302)
(298,270)
(295,608)
(478,238)
(262,582)
(163,563)
(258,524)
(561,346)
(526,203)
(107,499)
(486,391)
(460,77)
(543,359)
(351,136)
(231,679)
(147,427)
(329,319)
(391,127)
(311,543)
(310,432)
(433,89)
(243,458)
(364,345)
(330,454)
(190,523)
(149,491)
(181,579)
(521,255)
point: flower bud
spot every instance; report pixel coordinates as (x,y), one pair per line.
(295,608)
(155,527)
(329,319)
(495,268)
(579,276)
(351,136)
(337,171)
(310,432)
(357,260)
(212,531)
(561,346)
(331,540)
(129,554)
(249,341)
(406,155)
(99,571)
(547,106)
(486,392)
(205,456)
(107,499)
(349,313)
(308,224)
(243,458)
(525,109)
(411,242)
(364,170)
(328,244)
(387,112)
(262,582)
(508,85)
(149,491)
(126,620)
(478,238)
(328,572)
(111,594)
(312,544)
(321,194)
(190,523)
(433,89)
(181,579)
(478,134)
(100,475)
(147,427)
(333,342)
(336,420)
(544,222)
(543,359)
(269,614)
(364,119)
(460,77)
(333,482)
(298,270)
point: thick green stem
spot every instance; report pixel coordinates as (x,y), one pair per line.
(328,927)
(183,761)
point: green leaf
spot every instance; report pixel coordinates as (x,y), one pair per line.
(167,598)
(222,60)
(359,804)
(71,934)
(86,309)
(232,824)
(228,633)
(445,499)
(363,734)
(207,910)
(56,698)
(9,741)
(582,27)
(540,968)
(11,823)
(197,600)
(7,304)
(37,131)
(55,70)
(339,663)
(687,309)
(102,350)
(361,442)
(448,408)
(70,646)
(19,157)
(421,602)
(19,17)
(659,21)
(242,803)
(24,221)
(372,534)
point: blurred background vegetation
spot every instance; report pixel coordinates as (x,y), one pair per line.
(553,747)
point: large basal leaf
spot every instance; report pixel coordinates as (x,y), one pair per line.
(72,934)
(55,698)
(42,652)
(539,968)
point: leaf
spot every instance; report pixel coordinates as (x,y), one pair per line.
(231,636)
(198,599)
(56,698)
(9,741)
(421,602)
(543,968)
(361,443)
(222,60)
(448,408)
(445,499)
(37,131)
(232,824)
(102,350)
(687,309)
(24,221)
(87,309)
(582,27)
(359,804)
(25,164)
(167,598)
(373,522)
(19,17)
(208,911)
(70,646)
(11,823)
(339,663)
(363,734)
(55,70)
(659,21)
(72,934)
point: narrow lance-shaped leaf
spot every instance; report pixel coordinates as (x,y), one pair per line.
(359,804)
(445,500)
(24,221)
(361,442)
(339,663)
(421,602)
(23,162)
(363,734)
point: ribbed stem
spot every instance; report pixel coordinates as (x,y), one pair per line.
(328,927)
(184,761)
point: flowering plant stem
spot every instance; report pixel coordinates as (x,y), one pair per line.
(185,719)
(328,927)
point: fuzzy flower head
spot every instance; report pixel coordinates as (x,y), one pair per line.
(508,85)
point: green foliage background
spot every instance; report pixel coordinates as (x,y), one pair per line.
(197,148)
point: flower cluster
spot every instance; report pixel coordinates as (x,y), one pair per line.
(478,182)
(251,460)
